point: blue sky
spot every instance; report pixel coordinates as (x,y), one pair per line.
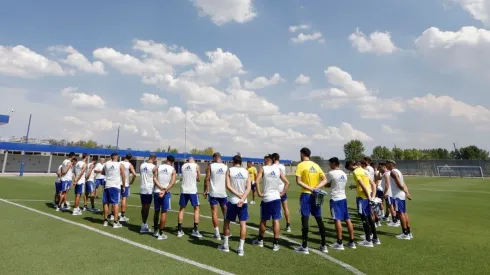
(391,77)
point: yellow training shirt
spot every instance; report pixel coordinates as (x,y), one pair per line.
(310,174)
(252,173)
(361,175)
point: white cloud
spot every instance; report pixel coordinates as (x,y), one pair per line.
(262,82)
(344,133)
(390,130)
(298,27)
(78,60)
(152,99)
(377,42)
(466,50)
(448,106)
(23,62)
(169,54)
(302,37)
(479,9)
(245,101)
(83,100)
(226,11)
(302,79)
(73,120)
(293,120)
(130,128)
(103,124)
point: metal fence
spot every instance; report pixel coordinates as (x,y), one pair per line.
(434,168)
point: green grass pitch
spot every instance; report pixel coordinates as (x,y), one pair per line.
(449,216)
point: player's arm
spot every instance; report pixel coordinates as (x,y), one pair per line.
(286,184)
(123,176)
(133,174)
(229,187)
(405,189)
(329,180)
(299,180)
(172,180)
(323,180)
(68,167)
(257,182)
(99,171)
(373,189)
(397,180)
(156,181)
(364,188)
(90,171)
(207,181)
(102,171)
(198,174)
(387,184)
(58,173)
(82,172)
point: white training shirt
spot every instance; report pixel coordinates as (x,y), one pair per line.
(147,184)
(383,183)
(189,182)
(126,165)
(217,180)
(282,168)
(271,178)
(92,175)
(337,180)
(164,176)
(69,175)
(396,191)
(78,169)
(370,170)
(380,185)
(238,180)
(99,166)
(58,179)
(112,170)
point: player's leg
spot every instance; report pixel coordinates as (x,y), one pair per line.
(105,206)
(316,211)
(254,188)
(213,202)
(304,204)
(157,206)
(145,211)
(231,215)
(265,215)
(115,195)
(276,226)
(243,217)
(401,211)
(76,209)
(184,198)
(197,214)
(284,202)
(124,204)
(163,218)
(336,216)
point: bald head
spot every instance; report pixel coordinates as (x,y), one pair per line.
(192,160)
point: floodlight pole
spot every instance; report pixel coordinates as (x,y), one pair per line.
(117,141)
(22,162)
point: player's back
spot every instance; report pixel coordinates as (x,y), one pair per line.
(282,169)
(189,178)
(164,175)
(397,192)
(338,181)
(69,174)
(310,174)
(252,173)
(218,180)
(238,180)
(271,180)
(361,175)
(146,175)
(389,192)
(126,165)
(78,170)
(91,177)
(99,166)
(112,170)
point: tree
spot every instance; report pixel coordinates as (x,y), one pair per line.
(316,159)
(473,152)
(354,150)
(411,154)
(172,150)
(397,153)
(206,151)
(381,152)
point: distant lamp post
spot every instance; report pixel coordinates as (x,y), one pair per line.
(22,162)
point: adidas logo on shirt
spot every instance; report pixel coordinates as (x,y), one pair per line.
(188,168)
(239,176)
(112,167)
(165,171)
(272,174)
(312,169)
(220,171)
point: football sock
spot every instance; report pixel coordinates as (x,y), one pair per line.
(304,231)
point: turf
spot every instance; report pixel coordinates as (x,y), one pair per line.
(449,220)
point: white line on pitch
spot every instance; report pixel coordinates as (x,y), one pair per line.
(326,256)
(161,252)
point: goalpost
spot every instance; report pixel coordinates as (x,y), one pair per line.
(460,171)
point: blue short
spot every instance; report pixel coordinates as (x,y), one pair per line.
(339,210)
(65,185)
(89,187)
(57,186)
(254,186)
(111,195)
(126,193)
(185,198)
(380,194)
(233,211)
(79,189)
(146,198)
(270,210)
(284,198)
(308,206)
(215,201)
(390,200)
(99,182)
(162,204)
(400,206)
(363,207)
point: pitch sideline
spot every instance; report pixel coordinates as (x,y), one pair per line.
(319,253)
(161,252)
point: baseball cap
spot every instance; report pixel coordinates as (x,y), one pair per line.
(391,161)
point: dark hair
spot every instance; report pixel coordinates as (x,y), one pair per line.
(305,151)
(367,159)
(71,154)
(334,160)
(96,158)
(74,159)
(84,155)
(216,155)
(363,162)
(153,156)
(237,160)
(381,164)
(128,156)
(171,158)
(275,156)
(114,154)
(349,163)
(268,157)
